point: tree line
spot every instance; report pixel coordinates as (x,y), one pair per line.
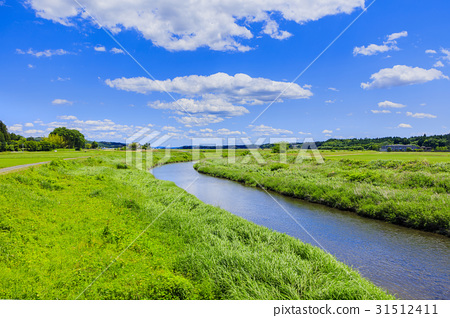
(436,143)
(59,138)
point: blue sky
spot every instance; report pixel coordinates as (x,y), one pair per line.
(209,69)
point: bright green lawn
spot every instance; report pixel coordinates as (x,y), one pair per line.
(431,157)
(10,159)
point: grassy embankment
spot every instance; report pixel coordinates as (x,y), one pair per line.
(62,224)
(409,193)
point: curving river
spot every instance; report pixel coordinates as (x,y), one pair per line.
(409,263)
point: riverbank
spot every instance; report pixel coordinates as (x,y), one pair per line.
(412,194)
(63,223)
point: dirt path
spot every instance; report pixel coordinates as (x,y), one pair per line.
(21,167)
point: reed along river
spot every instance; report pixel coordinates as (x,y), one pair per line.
(409,263)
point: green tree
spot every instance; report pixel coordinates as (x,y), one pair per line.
(280,147)
(94,145)
(72,137)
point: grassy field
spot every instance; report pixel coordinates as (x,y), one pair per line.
(432,157)
(408,193)
(63,223)
(10,159)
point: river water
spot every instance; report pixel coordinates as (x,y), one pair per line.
(410,264)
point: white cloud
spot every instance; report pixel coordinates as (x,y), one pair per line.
(46,53)
(388,45)
(33,132)
(446,53)
(202,120)
(330,101)
(304,133)
(170,128)
(219,94)
(59,101)
(401,75)
(63,79)
(30,66)
(187,25)
(326,131)
(438,64)
(264,130)
(384,111)
(371,49)
(100,48)
(430,52)
(29,125)
(404,126)
(17,128)
(240,88)
(208,105)
(390,104)
(227,132)
(420,115)
(395,36)
(117,51)
(333,89)
(67,117)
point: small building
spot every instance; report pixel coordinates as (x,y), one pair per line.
(399,147)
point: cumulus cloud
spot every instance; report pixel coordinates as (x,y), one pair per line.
(117,51)
(29,125)
(333,89)
(59,101)
(17,128)
(67,117)
(240,88)
(388,45)
(401,75)
(46,53)
(438,64)
(209,105)
(264,130)
(446,54)
(390,104)
(187,25)
(330,101)
(404,126)
(395,36)
(384,111)
(202,120)
(420,115)
(220,94)
(430,52)
(326,131)
(34,132)
(100,48)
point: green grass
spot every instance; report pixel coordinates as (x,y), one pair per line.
(63,223)
(414,194)
(10,159)
(432,157)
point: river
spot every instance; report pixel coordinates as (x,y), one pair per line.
(410,264)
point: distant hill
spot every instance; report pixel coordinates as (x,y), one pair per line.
(109,144)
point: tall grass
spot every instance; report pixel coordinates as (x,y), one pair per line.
(63,223)
(409,193)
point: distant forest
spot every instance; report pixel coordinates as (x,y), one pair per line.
(436,143)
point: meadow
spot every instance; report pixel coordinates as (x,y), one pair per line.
(63,223)
(409,193)
(10,159)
